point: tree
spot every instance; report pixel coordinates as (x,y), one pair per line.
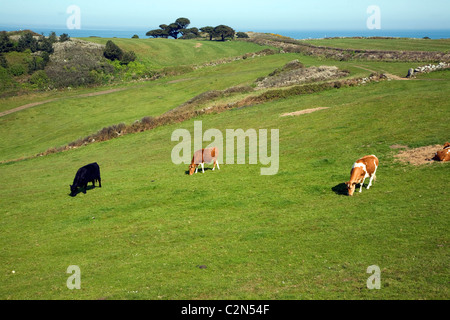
(157,33)
(52,37)
(6,44)
(112,51)
(27,41)
(171,30)
(190,33)
(182,23)
(46,45)
(224,32)
(209,31)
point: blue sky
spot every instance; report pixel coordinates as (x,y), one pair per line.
(241,15)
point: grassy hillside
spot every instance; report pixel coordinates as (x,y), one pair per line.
(294,235)
(160,53)
(403,44)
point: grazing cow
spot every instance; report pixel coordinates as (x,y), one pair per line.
(444,154)
(363,168)
(88,173)
(207,155)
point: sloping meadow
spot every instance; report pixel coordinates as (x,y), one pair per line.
(293,235)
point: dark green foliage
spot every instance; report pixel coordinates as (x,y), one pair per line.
(171,30)
(52,37)
(35,63)
(64,37)
(182,23)
(209,30)
(112,51)
(27,41)
(3,61)
(224,32)
(190,33)
(157,33)
(135,36)
(242,35)
(128,57)
(6,44)
(40,79)
(46,45)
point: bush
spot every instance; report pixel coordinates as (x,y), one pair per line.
(242,35)
(64,37)
(17,69)
(127,57)
(40,80)
(112,51)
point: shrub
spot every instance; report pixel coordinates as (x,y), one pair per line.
(40,80)
(17,69)
(64,37)
(242,35)
(112,51)
(127,57)
(3,61)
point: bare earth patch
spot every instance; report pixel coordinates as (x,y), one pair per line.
(198,45)
(418,156)
(296,113)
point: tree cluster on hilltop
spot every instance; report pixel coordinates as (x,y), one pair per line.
(180,26)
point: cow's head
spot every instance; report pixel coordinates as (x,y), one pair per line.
(350,187)
(73,190)
(192,169)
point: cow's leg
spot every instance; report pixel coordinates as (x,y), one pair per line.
(372,178)
(203,167)
(196,169)
(99,182)
(361,185)
(85,188)
(214,166)
(216,163)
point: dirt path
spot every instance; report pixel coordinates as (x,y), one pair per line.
(306,111)
(30,105)
(389,75)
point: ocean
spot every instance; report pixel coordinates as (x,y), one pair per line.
(296,34)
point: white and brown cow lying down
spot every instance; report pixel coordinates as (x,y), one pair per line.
(444,154)
(207,155)
(366,167)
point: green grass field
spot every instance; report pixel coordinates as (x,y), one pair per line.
(293,235)
(160,53)
(402,44)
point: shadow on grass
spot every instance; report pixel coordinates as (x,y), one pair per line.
(82,190)
(340,189)
(198,172)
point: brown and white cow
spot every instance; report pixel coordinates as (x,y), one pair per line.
(444,154)
(366,167)
(207,155)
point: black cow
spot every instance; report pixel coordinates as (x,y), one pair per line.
(88,173)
